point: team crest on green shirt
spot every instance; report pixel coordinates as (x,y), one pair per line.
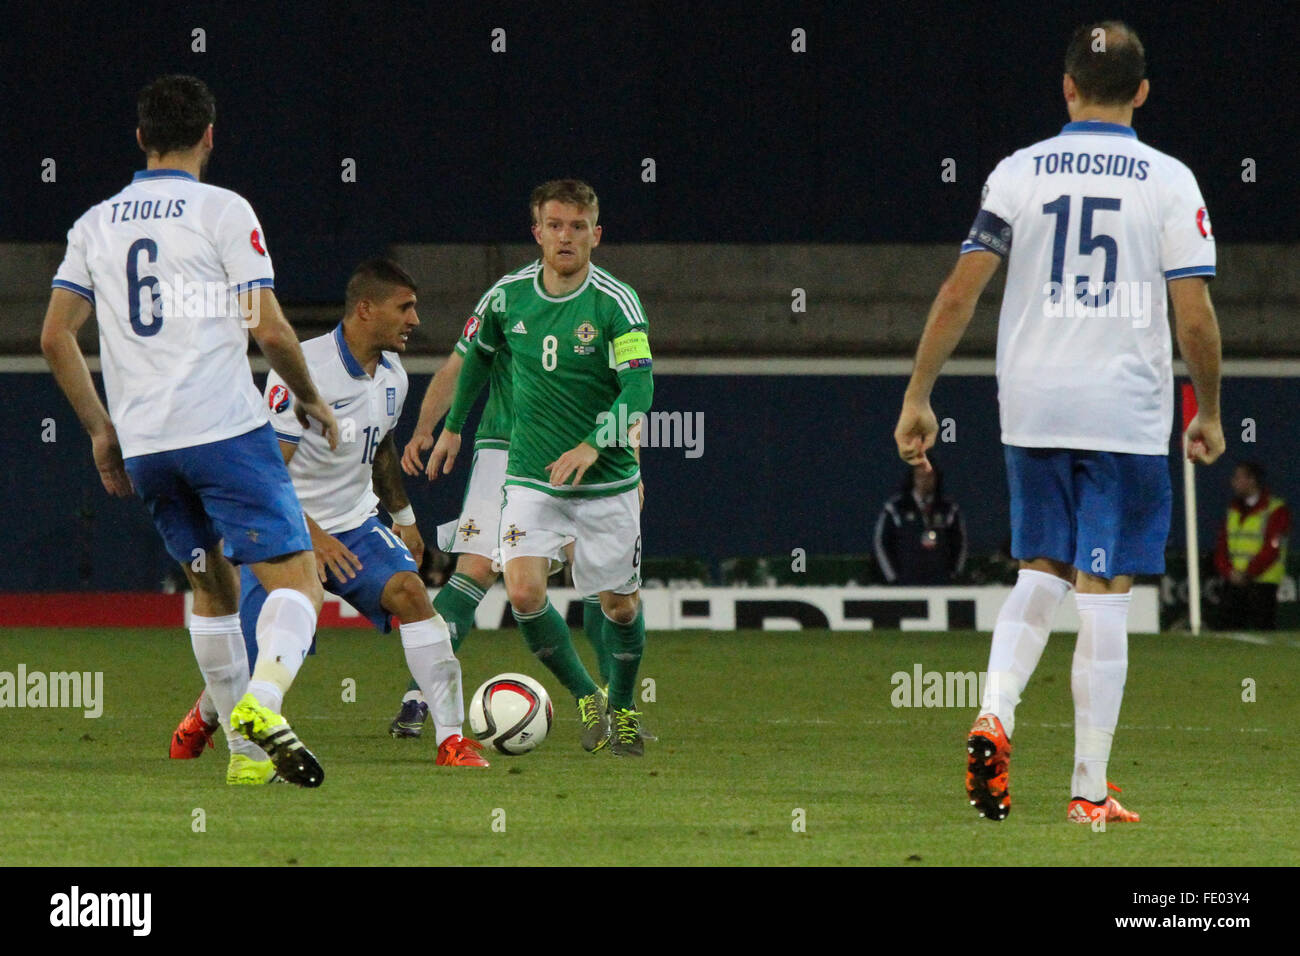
(585,334)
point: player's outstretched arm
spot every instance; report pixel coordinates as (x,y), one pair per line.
(946,324)
(437,400)
(66,314)
(1199,344)
(279,343)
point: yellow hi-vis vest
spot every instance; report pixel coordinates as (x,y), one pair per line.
(1246,539)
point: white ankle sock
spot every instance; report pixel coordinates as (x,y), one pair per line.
(1097,681)
(431,661)
(284,632)
(1019,636)
(219,648)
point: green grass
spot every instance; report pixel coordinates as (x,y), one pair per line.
(751,726)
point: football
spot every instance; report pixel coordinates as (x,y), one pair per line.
(511,713)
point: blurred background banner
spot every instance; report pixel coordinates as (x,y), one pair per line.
(785,185)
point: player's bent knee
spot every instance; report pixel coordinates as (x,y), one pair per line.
(309,584)
(478,569)
(527,597)
(406,596)
(216,589)
(296,571)
(620,608)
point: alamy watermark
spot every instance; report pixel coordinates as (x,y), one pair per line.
(1080,297)
(155,300)
(922,688)
(654,430)
(76,689)
(127,910)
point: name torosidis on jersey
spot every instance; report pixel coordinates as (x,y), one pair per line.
(77,909)
(1095,164)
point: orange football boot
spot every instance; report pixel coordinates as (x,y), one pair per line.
(192,734)
(1112,811)
(458,751)
(988,762)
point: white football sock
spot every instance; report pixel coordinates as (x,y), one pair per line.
(284,632)
(1019,636)
(207,709)
(1097,681)
(432,663)
(219,648)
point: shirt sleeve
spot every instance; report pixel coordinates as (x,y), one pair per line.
(279,407)
(1186,239)
(242,245)
(73,273)
(484,324)
(991,230)
(628,330)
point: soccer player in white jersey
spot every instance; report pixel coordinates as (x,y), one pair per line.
(357,370)
(178,274)
(1095,226)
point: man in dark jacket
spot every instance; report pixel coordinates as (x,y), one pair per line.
(920,534)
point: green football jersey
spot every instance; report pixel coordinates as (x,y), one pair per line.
(498,413)
(566,355)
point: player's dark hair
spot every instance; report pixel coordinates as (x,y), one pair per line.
(571,192)
(1254,469)
(1109,76)
(375,279)
(174,111)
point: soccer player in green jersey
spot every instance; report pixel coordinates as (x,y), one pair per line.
(580,377)
(473,536)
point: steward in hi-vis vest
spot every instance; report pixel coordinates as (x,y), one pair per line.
(1250,554)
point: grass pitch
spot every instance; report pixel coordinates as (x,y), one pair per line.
(753,728)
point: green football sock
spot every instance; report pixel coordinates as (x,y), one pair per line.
(548,638)
(593,623)
(457,601)
(626,644)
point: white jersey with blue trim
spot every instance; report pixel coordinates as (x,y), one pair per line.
(1093,224)
(335,486)
(161,262)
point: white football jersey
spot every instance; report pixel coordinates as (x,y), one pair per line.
(335,486)
(161,262)
(1093,223)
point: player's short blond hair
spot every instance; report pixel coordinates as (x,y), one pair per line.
(571,192)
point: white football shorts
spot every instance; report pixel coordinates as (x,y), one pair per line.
(606,535)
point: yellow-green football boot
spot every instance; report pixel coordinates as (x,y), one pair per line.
(292,760)
(247,772)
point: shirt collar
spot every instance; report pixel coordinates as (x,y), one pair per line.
(162,174)
(349,360)
(1098,126)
